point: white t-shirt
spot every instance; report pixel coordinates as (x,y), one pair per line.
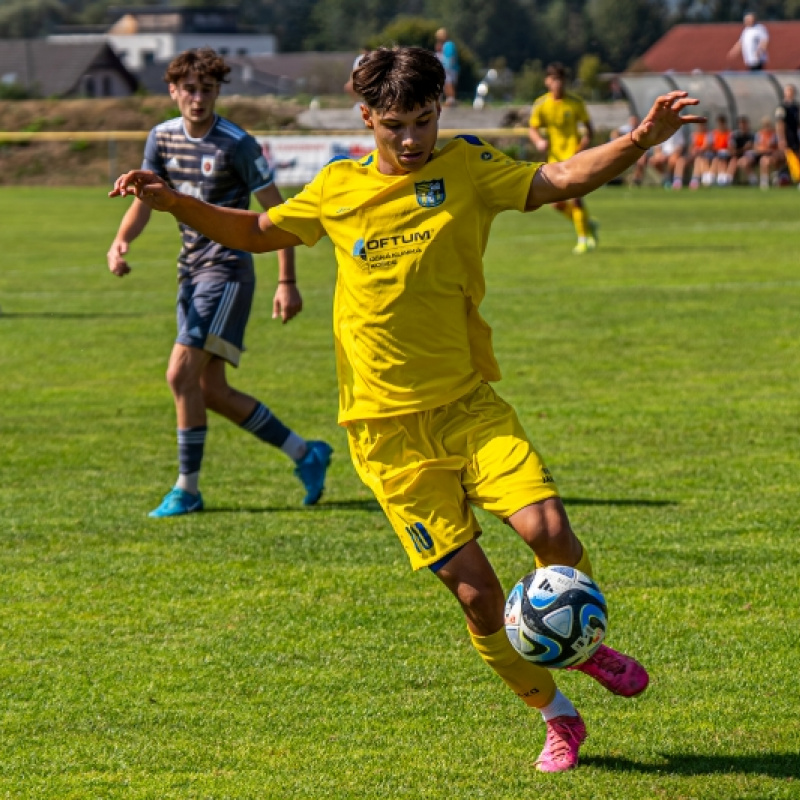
(675,141)
(751,39)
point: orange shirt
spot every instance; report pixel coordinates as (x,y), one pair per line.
(699,141)
(765,141)
(720,140)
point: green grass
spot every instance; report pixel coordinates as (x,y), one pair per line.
(265,651)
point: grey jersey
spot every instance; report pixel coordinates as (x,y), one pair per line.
(223,168)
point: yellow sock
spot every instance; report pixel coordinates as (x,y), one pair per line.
(580,218)
(533,685)
(584,565)
(566,210)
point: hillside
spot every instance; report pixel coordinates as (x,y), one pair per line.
(84,163)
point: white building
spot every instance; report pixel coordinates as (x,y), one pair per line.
(143,36)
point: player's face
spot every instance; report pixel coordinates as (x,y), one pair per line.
(555,85)
(405,140)
(195,97)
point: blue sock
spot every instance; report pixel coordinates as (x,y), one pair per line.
(266,426)
(191,443)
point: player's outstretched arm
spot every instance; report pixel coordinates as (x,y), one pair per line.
(590,169)
(242,230)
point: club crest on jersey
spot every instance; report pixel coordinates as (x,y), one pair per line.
(430,193)
(207,165)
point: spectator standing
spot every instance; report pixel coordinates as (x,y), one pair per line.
(787,126)
(447,53)
(752,44)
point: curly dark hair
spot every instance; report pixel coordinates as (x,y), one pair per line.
(399,78)
(203,60)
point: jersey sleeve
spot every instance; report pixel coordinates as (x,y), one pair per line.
(501,182)
(302,214)
(536,119)
(251,163)
(153,159)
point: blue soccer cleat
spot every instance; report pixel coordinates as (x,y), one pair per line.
(177,502)
(311,469)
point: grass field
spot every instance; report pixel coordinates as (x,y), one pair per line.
(261,650)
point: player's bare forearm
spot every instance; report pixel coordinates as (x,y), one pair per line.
(286,262)
(590,169)
(539,142)
(231,227)
(583,173)
(241,230)
(133,223)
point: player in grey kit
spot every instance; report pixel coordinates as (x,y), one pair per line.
(209,157)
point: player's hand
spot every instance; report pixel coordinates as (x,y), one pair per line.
(116,258)
(147,187)
(287,303)
(664,118)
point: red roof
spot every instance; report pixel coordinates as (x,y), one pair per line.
(705,47)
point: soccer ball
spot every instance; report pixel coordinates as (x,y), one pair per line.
(556,617)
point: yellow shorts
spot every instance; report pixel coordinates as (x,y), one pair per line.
(428,468)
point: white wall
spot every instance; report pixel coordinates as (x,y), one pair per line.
(134,49)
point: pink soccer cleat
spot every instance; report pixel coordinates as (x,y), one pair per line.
(564,738)
(615,671)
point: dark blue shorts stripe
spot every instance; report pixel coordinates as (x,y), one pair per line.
(437,565)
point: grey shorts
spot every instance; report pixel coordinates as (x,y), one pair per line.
(212,316)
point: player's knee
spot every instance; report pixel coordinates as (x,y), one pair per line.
(483,605)
(177,378)
(545,526)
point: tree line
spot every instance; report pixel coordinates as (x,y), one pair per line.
(512,34)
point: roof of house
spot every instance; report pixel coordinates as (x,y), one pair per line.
(55,70)
(705,47)
(282,73)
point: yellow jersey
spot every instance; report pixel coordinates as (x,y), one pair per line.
(409,250)
(562,119)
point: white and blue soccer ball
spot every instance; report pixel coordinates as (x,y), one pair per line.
(556,617)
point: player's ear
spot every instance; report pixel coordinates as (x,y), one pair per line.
(366,115)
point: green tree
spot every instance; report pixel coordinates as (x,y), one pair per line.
(490,30)
(417,31)
(529,83)
(624,29)
(733,10)
(29,19)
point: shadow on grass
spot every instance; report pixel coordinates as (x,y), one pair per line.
(774,765)
(369,506)
(64,315)
(610,501)
(666,248)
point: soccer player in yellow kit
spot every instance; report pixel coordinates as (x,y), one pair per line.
(427,432)
(564,118)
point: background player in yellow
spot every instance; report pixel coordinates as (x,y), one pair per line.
(564,119)
(409,224)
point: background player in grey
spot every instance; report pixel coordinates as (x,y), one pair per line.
(212,159)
